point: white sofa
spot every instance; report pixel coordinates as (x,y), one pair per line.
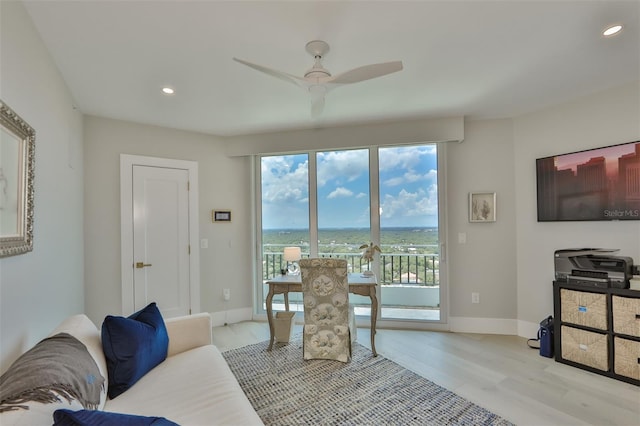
(193,386)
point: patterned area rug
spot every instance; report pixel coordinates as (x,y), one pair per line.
(286,390)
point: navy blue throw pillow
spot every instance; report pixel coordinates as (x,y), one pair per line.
(133,346)
(103,418)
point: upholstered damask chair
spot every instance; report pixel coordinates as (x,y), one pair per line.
(329,321)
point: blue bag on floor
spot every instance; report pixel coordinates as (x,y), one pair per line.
(545,335)
(545,338)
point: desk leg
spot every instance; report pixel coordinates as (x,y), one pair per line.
(374,318)
(269,303)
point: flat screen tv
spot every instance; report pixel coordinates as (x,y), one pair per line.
(596,184)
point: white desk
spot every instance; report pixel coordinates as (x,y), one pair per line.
(358,284)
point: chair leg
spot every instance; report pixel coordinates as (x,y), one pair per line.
(304,354)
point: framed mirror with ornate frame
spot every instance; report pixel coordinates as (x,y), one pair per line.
(17,162)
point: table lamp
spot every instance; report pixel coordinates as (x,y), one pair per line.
(291,256)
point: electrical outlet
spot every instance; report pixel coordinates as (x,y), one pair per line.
(462,238)
(475,297)
(226,294)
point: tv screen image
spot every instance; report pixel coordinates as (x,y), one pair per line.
(595,184)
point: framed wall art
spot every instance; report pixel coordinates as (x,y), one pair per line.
(482,207)
(17,162)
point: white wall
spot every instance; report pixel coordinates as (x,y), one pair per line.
(605,118)
(413,131)
(486,263)
(224,184)
(510,262)
(40,288)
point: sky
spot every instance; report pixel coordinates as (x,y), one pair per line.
(408,189)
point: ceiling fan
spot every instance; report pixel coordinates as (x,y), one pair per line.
(318,80)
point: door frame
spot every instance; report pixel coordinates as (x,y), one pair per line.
(127,162)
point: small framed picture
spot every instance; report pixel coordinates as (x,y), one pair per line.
(221,215)
(482,207)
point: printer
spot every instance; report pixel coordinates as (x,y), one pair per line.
(593,267)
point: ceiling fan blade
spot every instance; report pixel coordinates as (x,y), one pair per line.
(317,92)
(366,72)
(289,78)
(317,106)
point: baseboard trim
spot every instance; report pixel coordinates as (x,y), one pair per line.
(231,316)
(455,324)
(483,325)
(528,329)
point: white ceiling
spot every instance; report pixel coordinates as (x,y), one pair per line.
(479,59)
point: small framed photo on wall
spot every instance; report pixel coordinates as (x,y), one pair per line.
(221,215)
(482,207)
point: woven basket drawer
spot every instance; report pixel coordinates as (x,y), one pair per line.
(582,308)
(585,347)
(627,358)
(626,315)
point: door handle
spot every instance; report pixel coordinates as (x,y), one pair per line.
(140,265)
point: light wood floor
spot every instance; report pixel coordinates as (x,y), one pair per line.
(497,372)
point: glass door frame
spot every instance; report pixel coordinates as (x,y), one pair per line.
(374,193)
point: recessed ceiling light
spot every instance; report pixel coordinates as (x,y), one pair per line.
(615,29)
(168,91)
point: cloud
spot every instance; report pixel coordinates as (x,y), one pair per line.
(410,177)
(405,165)
(346,165)
(404,158)
(284,179)
(340,192)
(395,181)
(411,204)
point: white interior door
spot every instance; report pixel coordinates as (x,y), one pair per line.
(159,229)
(161,239)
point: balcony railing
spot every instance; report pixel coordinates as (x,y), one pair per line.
(404,269)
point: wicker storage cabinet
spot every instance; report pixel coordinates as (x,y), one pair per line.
(627,356)
(598,329)
(625,315)
(582,308)
(585,347)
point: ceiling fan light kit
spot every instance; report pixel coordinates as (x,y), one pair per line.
(318,80)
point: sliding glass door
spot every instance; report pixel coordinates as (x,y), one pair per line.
(323,201)
(409,238)
(343,199)
(284,208)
